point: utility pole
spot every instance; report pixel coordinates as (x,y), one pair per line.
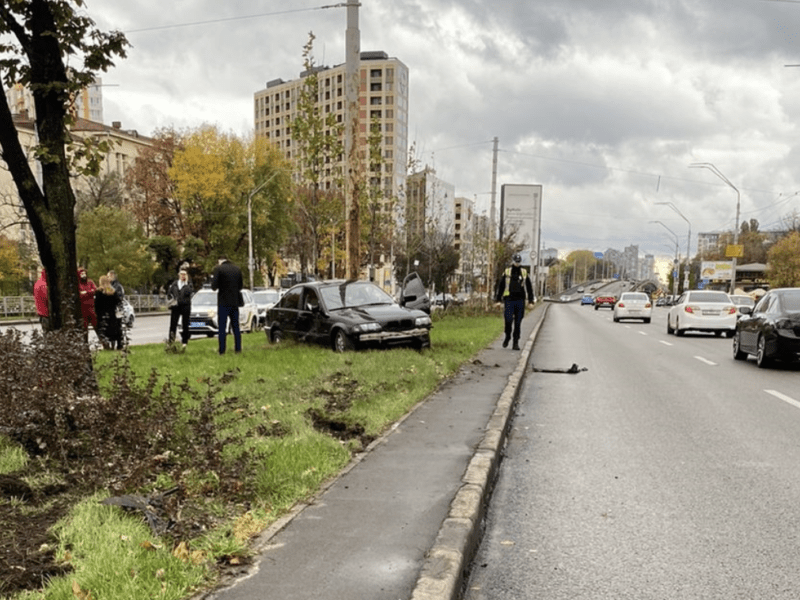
(490,276)
(353,168)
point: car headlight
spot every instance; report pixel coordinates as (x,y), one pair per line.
(784,324)
(366,327)
(422,321)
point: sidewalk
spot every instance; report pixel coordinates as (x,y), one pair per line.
(403,520)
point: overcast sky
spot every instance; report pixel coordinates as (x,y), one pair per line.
(605,103)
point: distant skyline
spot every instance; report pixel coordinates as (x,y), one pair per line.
(605,104)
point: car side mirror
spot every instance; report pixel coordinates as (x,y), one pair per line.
(746,310)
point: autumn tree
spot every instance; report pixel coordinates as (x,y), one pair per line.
(101,190)
(378,224)
(153,200)
(110,238)
(215,175)
(39,38)
(784,262)
(319,210)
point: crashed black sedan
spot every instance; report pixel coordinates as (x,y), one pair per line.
(346,315)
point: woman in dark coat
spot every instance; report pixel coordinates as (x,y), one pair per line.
(179,298)
(106,302)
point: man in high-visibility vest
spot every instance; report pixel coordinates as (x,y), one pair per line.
(512,287)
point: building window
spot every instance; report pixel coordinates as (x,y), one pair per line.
(374,114)
(375,87)
(376,73)
(375,100)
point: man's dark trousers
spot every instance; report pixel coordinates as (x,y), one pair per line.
(514,311)
(232,313)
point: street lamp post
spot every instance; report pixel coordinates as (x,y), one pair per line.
(250,259)
(688,244)
(717,172)
(675,264)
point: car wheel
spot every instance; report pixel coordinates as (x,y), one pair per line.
(209,335)
(678,331)
(670,330)
(596,307)
(718,333)
(342,342)
(275,335)
(646,320)
(252,325)
(761,353)
(738,354)
(616,320)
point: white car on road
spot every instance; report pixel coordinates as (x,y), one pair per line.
(633,305)
(702,310)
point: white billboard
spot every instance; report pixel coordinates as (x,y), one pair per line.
(521,211)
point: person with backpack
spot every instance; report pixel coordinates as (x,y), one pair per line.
(512,288)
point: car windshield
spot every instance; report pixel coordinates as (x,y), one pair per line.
(708,297)
(743,300)
(265,297)
(791,300)
(204,298)
(348,295)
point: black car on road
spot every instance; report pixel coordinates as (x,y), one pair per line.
(771,329)
(346,315)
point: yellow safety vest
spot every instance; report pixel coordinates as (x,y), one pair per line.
(523,272)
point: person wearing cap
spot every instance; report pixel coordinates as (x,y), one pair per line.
(179,300)
(512,288)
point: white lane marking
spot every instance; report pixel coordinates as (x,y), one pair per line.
(705,360)
(784,397)
(665,343)
(642,333)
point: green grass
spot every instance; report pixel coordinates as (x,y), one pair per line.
(276,388)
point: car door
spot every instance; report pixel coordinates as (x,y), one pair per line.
(308,316)
(286,312)
(751,325)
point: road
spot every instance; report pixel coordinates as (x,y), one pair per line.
(146,330)
(666,470)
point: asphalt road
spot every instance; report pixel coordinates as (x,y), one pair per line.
(146,329)
(666,470)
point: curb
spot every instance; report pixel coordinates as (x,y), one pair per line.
(445,569)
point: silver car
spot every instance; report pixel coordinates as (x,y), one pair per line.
(633,305)
(203,319)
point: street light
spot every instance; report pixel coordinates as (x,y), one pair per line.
(675,274)
(716,172)
(688,245)
(250,259)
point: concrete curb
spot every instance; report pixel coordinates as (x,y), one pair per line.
(444,571)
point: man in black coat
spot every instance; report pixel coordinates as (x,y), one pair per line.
(228,283)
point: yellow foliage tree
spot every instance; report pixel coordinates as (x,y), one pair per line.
(784,262)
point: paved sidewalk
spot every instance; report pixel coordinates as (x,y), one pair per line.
(403,519)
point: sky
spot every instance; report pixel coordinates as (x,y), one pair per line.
(605,103)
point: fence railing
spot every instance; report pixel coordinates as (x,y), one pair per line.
(23,307)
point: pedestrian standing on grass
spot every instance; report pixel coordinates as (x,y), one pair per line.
(40,298)
(512,287)
(109,325)
(179,299)
(227,281)
(86,290)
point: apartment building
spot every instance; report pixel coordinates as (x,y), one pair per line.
(125,147)
(87,104)
(429,204)
(383,96)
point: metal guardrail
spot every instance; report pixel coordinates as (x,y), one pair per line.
(24,306)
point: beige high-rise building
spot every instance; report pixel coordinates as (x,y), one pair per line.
(383,95)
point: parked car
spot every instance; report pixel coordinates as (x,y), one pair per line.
(265,299)
(702,310)
(633,305)
(740,301)
(346,315)
(587,299)
(204,320)
(128,316)
(771,329)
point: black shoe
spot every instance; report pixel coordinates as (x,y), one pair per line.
(505,342)
(515,346)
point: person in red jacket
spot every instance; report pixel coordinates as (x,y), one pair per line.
(40,298)
(87,289)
